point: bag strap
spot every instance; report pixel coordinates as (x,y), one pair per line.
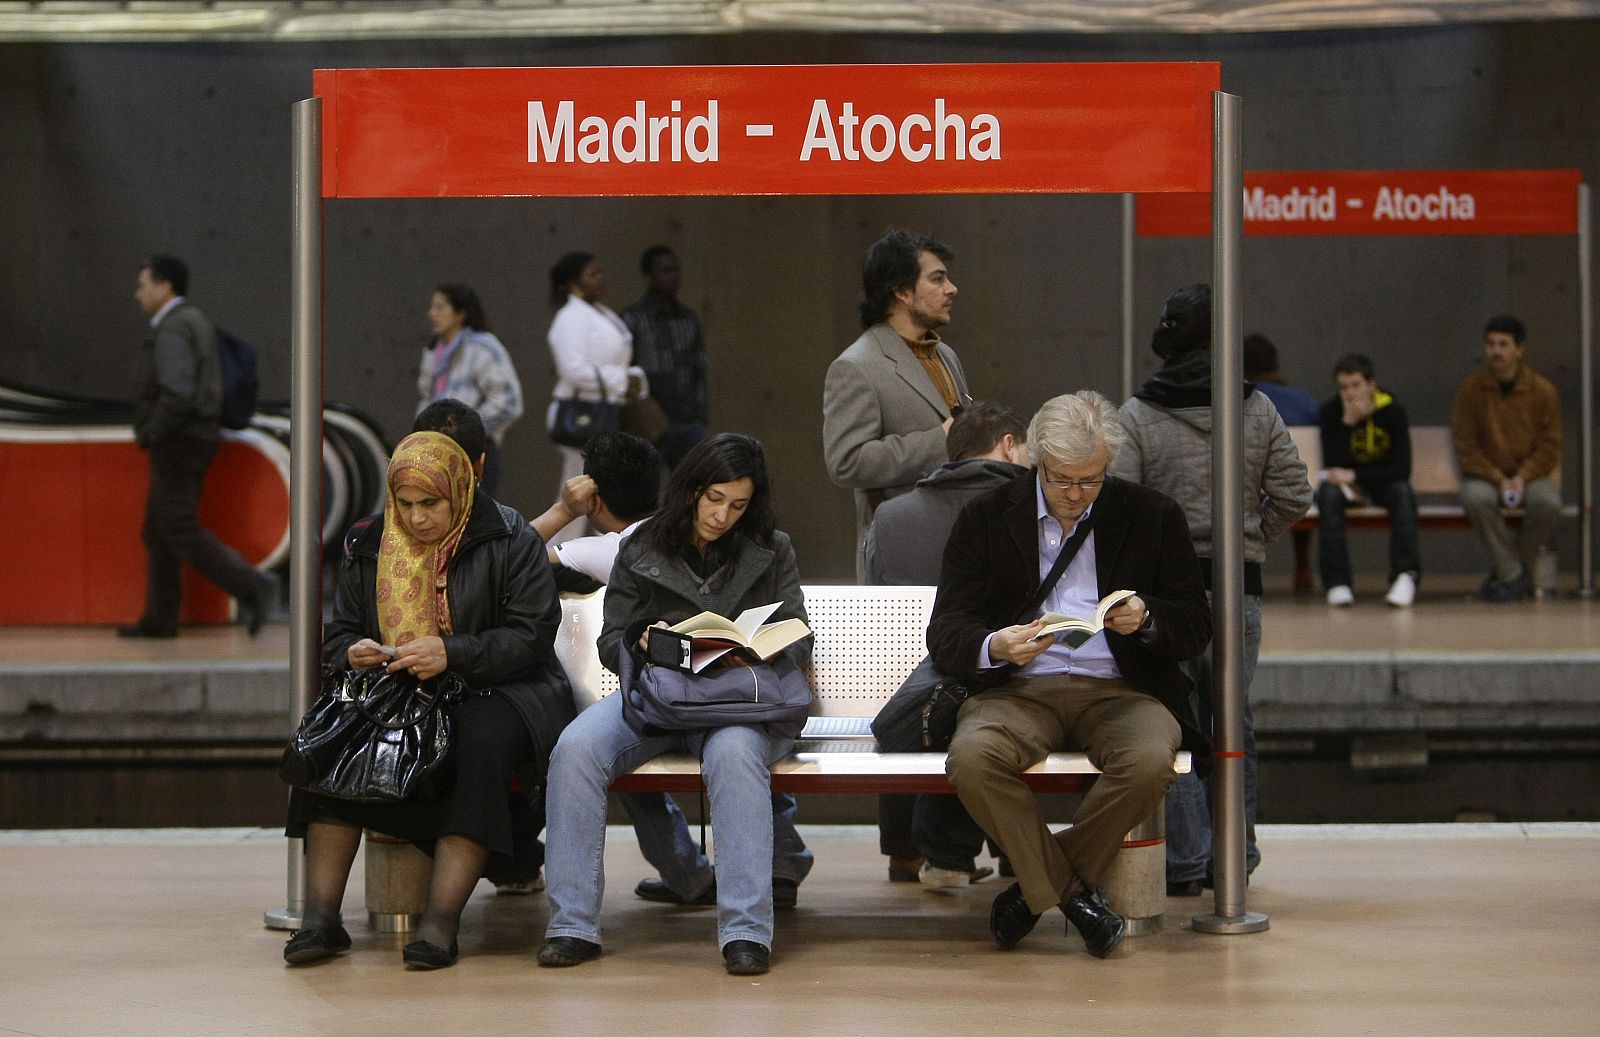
(435,702)
(605,397)
(1069,550)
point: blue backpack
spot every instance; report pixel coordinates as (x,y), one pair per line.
(239,385)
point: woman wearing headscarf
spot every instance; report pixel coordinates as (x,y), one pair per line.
(592,349)
(711,546)
(447,579)
(1169,448)
(466,362)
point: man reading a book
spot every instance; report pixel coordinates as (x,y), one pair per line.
(1060,538)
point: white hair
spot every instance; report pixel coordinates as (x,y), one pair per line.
(1070,428)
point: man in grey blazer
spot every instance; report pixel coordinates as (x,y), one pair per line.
(889,398)
(175,420)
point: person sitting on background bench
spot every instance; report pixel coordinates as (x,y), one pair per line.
(1294,405)
(1059,539)
(1366,448)
(619,490)
(932,838)
(1507,428)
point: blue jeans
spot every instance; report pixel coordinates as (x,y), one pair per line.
(1189,800)
(599,746)
(666,843)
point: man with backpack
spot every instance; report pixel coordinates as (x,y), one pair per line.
(176,420)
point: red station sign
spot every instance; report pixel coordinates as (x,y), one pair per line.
(746,130)
(1410,202)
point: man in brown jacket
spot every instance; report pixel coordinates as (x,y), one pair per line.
(1507,427)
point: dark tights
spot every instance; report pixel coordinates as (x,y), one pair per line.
(331,850)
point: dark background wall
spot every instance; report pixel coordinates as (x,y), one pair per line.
(111,152)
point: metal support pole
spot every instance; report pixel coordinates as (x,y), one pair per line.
(1227,524)
(305,450)
(1586,384)
(1127,296)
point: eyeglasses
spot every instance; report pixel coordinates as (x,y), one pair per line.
(1086,485)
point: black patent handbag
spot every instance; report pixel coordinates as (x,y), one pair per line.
(372,736)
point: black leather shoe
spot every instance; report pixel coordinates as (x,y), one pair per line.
(1009,918)
(308,945)
(140,629)
(560,952)
(746,958)
(661,893)
(420,954)
(785,894)
(1101,928)
(1191,888)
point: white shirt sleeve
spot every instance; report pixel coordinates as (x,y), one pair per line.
(593,555)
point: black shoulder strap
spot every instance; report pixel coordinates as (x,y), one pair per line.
(1069,550)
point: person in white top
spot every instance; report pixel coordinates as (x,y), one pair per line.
(591,346)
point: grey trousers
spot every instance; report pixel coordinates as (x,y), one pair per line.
(1542,514)
(1002,732)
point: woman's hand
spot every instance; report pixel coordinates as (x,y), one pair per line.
(365,654)
(644,638)
(422,658)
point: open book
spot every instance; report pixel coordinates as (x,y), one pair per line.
(701,640)
(1075,630)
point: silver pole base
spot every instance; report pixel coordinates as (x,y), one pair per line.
(383,922)
(1249,922)
(1146,926)
(281,918)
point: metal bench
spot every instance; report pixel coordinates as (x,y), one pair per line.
(867,639)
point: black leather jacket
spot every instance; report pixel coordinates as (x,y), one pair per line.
(503,606)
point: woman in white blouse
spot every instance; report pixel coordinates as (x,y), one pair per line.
(591,346)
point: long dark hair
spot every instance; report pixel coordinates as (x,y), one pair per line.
(566,271)
(722,458)
(465,301)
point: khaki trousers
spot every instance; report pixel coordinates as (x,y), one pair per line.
(1002,732)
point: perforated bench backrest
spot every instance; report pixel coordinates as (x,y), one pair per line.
(867,640)
(1433,457)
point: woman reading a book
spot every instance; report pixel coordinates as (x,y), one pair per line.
(711,547)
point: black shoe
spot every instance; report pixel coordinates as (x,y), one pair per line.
(1101,928)
(308,945)
(420,954)
(905,869)
(746,958)
(785,894)
(1009,918)
(661,893)
(560,952)
(140,629)
(253,610)
(1189,888)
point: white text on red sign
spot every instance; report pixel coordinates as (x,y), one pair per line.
(1392,203)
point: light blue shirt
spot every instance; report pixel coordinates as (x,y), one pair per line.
(1076,593)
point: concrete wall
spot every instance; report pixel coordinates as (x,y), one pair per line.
(111,152)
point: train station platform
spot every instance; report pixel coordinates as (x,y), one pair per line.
(1382,931)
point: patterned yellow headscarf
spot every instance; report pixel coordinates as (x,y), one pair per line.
(412,601)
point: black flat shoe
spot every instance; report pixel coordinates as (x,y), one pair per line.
(561,952)
(308,945)
(1101,928)
(420,954)
(746,958)
(1009,918)
(661,893)
(141,630)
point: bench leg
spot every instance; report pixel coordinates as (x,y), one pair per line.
(397,877)
(1137,882)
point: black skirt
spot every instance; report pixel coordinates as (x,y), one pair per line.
(491,744)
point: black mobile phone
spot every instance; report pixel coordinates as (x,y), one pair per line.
(669,648)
